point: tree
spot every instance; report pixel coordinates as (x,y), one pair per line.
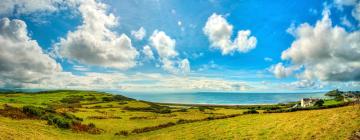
(319,103)
(335,94)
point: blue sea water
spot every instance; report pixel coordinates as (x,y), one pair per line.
(223,98)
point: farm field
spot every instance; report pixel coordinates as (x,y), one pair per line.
(119,117)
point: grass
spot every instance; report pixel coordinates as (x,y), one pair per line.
(338,123)
(331,102)
(113,117)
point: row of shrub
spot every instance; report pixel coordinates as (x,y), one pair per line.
(308,108)
(60,120)
(116,98)
(149,109)
(165,125)
(142,117)
(152,128)
(72,99)
(103,117)
(152,108)
(264,107)
(181,110)
(203,108)
(251,111)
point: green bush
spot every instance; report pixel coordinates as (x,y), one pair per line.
(120,98)
(91,98)
(116,98)
(182,110)
(34,111)
(251,111)
(107,99)
(73,99)
(72,117)
(153,108)
(319,103)
(91,125)
(123,132)
(59,121)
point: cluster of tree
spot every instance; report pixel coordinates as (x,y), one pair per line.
(340,95)
(319,103)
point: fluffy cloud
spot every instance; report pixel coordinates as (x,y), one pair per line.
(18,7)
(184,66)
(94,43)
(280,71)
(148,52)
(354,4)
(139,34)
(325,52)
(8,7)
(21,58)
(346,22)
(345,2)
(356,12)
(303,84)
(165,47)
(219,32)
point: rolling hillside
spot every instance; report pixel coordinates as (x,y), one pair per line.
(118,117)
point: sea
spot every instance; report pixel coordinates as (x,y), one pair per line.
(222,98)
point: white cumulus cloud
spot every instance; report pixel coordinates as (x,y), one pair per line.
(354,4)
(94,43)
(165,47)
(185,66)
(139,34)
(326,52)
(280,71)
(27,7)
(356,12)
(219,32)
(21,58)
(148,52)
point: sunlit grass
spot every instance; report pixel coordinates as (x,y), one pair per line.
(338,123)
(112,117)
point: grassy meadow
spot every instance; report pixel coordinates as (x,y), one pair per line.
(95,115)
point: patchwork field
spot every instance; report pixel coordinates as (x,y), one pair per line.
(94,115)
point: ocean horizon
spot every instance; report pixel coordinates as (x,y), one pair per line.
(222,98)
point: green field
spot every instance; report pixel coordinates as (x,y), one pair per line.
(115,116)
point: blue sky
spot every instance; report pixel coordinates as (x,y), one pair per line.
(186,55)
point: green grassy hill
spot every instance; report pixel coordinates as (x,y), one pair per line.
(95,115)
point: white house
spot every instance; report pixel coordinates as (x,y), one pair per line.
(307,102)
